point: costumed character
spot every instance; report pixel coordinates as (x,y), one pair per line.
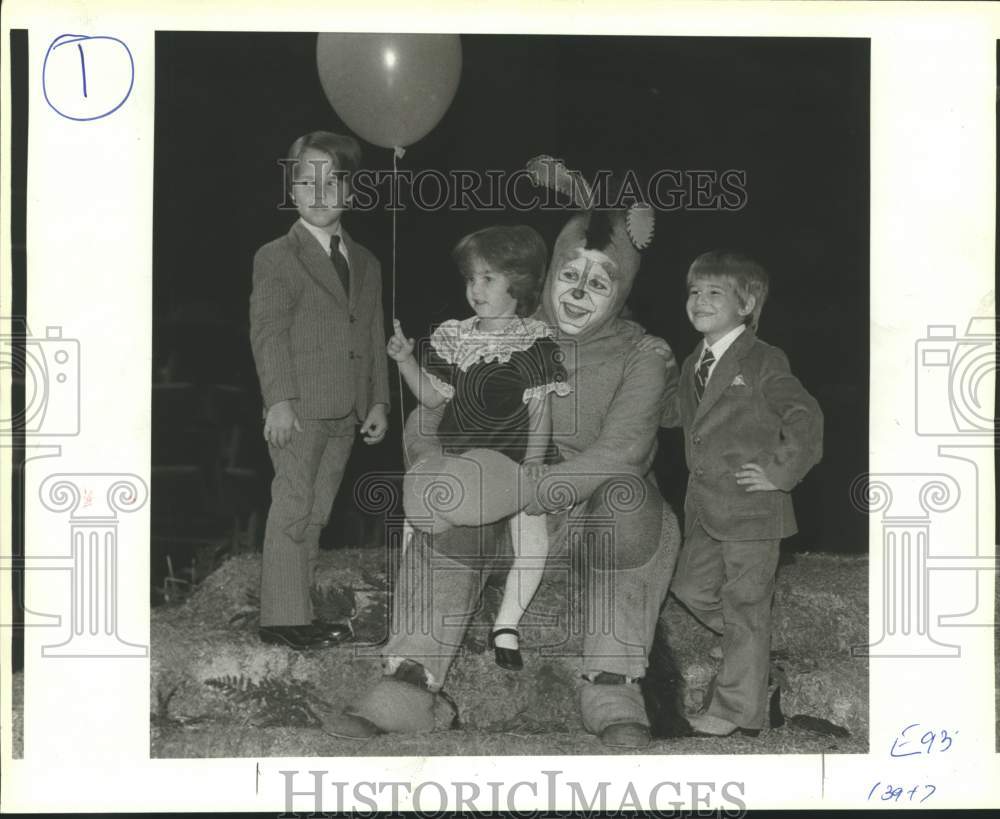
(600,497)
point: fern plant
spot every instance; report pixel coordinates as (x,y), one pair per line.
(272,702)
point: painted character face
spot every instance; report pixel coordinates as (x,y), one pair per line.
(320,193)
(715,308)
(582,294)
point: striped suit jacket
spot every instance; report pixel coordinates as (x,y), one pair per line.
(310,342)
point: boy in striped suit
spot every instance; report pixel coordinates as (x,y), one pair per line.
(316,330)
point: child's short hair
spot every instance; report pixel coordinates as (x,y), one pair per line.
(747,276)
(344,151)
(517,251)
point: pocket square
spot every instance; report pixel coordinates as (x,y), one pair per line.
(739,381)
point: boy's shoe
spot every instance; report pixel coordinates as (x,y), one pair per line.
(303,638)
(706,725)
(342,632)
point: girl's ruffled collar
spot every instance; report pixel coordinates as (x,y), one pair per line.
(463,344)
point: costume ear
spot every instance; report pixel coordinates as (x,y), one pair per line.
(640,223)
(549,172)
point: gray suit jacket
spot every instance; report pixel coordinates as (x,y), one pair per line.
(753,410)
(310,342)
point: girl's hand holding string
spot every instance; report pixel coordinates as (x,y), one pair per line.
(399,348)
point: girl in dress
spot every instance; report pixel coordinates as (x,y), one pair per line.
(496,371)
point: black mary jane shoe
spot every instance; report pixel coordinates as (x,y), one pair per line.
(509,658)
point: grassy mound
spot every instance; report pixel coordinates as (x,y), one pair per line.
(217,691)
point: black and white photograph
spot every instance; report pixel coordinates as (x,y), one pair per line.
(721,186)
(494,409)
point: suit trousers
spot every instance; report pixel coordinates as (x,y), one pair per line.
(307,475)
(729,586)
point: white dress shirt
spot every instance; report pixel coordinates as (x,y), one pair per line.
(324,238)
(719,348)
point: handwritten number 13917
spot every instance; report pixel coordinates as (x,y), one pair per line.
(893,793)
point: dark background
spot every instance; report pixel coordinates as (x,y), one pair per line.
(792,113)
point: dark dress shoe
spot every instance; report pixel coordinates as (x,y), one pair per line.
(509,658)
(300,638)
(341,632)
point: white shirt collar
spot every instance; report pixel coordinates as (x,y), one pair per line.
(324,238)
(724,343)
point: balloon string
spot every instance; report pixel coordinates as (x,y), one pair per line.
(397,154)
(395,171)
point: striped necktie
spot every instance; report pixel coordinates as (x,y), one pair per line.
(340,263)
(701,376)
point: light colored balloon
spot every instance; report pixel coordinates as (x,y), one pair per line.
(389,89)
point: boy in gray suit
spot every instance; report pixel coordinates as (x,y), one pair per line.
(316,330)
(751,432)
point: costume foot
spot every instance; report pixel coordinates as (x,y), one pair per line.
(508,656)
(300,638)
(612,708)
(351,726)
(706,725)
(626,735)
(397,703)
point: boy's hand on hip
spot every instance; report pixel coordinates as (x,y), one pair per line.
(376,425)
(753,478)
(399,348)
(279,424)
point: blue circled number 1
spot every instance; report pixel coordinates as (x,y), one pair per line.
(87,77)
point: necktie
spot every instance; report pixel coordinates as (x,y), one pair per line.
(340,263)
(701,376)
